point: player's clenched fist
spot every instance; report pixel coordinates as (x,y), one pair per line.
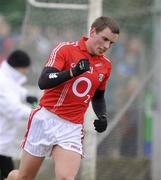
(101,123)
(82,66)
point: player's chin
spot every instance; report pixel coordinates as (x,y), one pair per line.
(97,53)
(100,53)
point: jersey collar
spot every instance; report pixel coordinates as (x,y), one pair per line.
(82,44)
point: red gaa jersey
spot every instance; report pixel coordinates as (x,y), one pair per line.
(70,99)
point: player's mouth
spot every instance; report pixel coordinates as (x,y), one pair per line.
(101,51)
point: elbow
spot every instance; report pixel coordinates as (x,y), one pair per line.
(44,85)
(93,102)
(41,85)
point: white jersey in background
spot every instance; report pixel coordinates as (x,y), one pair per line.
(13,109)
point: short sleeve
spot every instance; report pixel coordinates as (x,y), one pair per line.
(57,57)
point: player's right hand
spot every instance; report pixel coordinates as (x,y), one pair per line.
(82,66)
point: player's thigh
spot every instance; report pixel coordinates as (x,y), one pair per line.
(29,165)
(66,162)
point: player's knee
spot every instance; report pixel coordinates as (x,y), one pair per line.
(13,175)
(69,178)
(64,176)
(16,175)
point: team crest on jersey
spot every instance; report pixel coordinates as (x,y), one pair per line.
(100,77)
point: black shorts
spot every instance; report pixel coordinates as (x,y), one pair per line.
(6,165)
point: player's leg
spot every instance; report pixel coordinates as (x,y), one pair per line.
(13,175)
(28,169)
(68,151)
(66,163)
(33,151)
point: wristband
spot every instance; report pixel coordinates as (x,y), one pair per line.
(71,73)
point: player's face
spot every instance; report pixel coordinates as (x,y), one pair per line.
(100,42)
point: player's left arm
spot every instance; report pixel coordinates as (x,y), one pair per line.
(99,107)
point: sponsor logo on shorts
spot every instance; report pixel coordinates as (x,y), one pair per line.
(75,147)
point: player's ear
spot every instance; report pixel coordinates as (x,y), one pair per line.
(92,32)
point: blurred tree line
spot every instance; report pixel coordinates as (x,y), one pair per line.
(14,11)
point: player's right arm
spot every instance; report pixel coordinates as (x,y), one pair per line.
(51,76)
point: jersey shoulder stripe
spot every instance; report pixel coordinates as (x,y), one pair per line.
(51,59)
(106,59)
(53,54)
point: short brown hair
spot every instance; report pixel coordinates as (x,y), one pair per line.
(105,21)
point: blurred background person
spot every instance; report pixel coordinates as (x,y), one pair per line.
(7,39)
(14,105)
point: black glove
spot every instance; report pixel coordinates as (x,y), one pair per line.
(82,66)
(101,123)
(31,99)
